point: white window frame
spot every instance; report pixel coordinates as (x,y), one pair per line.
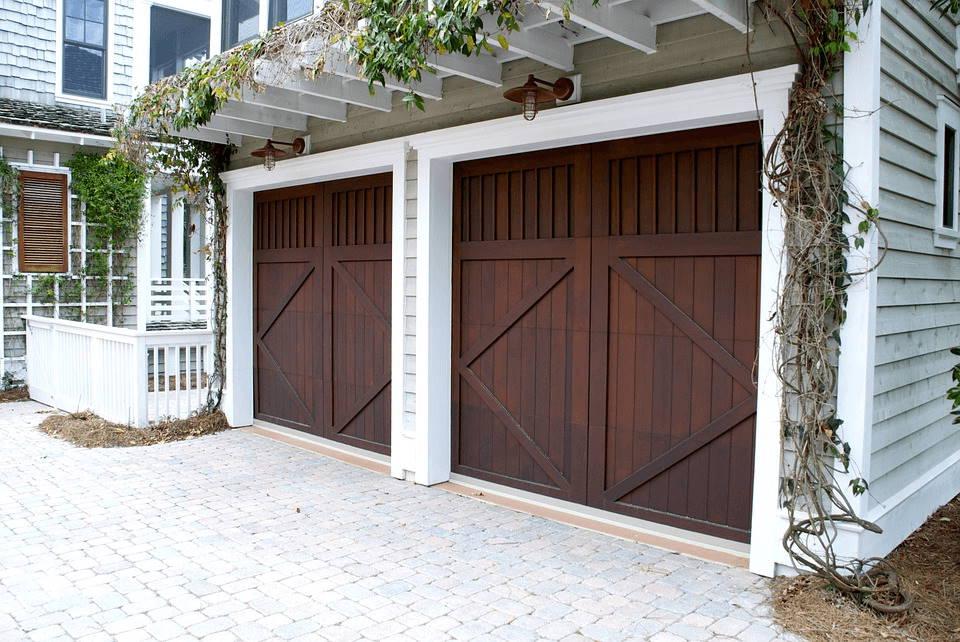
(209,9)
(948,115)
(107,101)
(263,19)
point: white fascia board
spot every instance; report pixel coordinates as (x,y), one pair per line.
(55,135)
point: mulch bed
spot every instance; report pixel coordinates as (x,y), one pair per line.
(929,565)
(87,430)
(14,394)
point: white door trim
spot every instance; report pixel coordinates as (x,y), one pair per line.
(387,156)
(715,102)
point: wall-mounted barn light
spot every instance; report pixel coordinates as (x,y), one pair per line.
(536,92)
(270,154)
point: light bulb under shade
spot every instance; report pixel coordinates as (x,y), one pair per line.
(269,161)
(530,105)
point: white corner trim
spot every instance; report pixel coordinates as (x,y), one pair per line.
(401,447)
(861,155)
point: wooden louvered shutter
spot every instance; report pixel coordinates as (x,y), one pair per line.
(42,227)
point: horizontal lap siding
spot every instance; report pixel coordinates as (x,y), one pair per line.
(410,296)
(918,315)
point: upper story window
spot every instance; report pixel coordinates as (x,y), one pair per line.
(947,224)
(241,21)
(241,18)
(288,10)
(85,48)
(177,40)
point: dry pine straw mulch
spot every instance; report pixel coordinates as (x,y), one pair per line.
(929,565)
(87,430)
(14,394)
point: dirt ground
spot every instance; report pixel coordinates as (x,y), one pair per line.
(928,563)
(90,431)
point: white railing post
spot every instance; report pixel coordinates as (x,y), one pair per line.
(141,395)
(144,263)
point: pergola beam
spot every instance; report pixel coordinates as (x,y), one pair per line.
(208,136)
(327,86)
(429,86)
(735,13)
(292,101)
(482,68)
(537,45)
(617,22)
(229,125)
(265,115)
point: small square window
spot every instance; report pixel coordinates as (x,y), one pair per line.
(288,10)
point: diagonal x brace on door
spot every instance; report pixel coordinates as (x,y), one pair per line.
(512,425)
(727,421)
(734,367)
(288,297)
(515,313)
(361,294)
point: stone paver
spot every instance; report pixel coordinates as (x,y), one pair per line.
(204,540)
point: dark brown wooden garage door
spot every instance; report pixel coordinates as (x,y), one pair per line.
(322,309)
(606,310)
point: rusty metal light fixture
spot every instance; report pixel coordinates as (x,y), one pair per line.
(536,92)
(271,154)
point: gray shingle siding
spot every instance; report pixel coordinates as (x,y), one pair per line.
(28,50)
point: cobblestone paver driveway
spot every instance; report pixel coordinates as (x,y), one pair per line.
(203,539)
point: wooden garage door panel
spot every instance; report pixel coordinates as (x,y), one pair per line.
(624,275)
(322,314)
(515,366)
(360,346)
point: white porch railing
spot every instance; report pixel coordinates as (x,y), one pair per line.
(122,375)
(176,302)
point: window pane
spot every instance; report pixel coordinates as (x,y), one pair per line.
(95,10)
(74,29)
(83,71)
(949,170)
(177,40)
(94,33)
(240,21)
(287,10)
(74,8)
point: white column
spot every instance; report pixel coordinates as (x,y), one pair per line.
(238,390)
(402,444)
(434,304)
(861,154)
(175,239)
(145,261)
(768,523)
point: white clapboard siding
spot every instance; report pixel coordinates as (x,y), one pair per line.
(410,297)
(918,316)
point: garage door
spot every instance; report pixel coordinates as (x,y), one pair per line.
(322,309)
(606,309)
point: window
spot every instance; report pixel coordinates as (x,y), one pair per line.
(946,230)
(84,70)
(241,21)
(288,10)
(177,40)
(42,224)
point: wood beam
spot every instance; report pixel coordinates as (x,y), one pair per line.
(429,86)
(327,86)
(229,125)
(735,13)
(535,44)
(292,101)
(617,22)
(264,114)
(208,135)
(482,68)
